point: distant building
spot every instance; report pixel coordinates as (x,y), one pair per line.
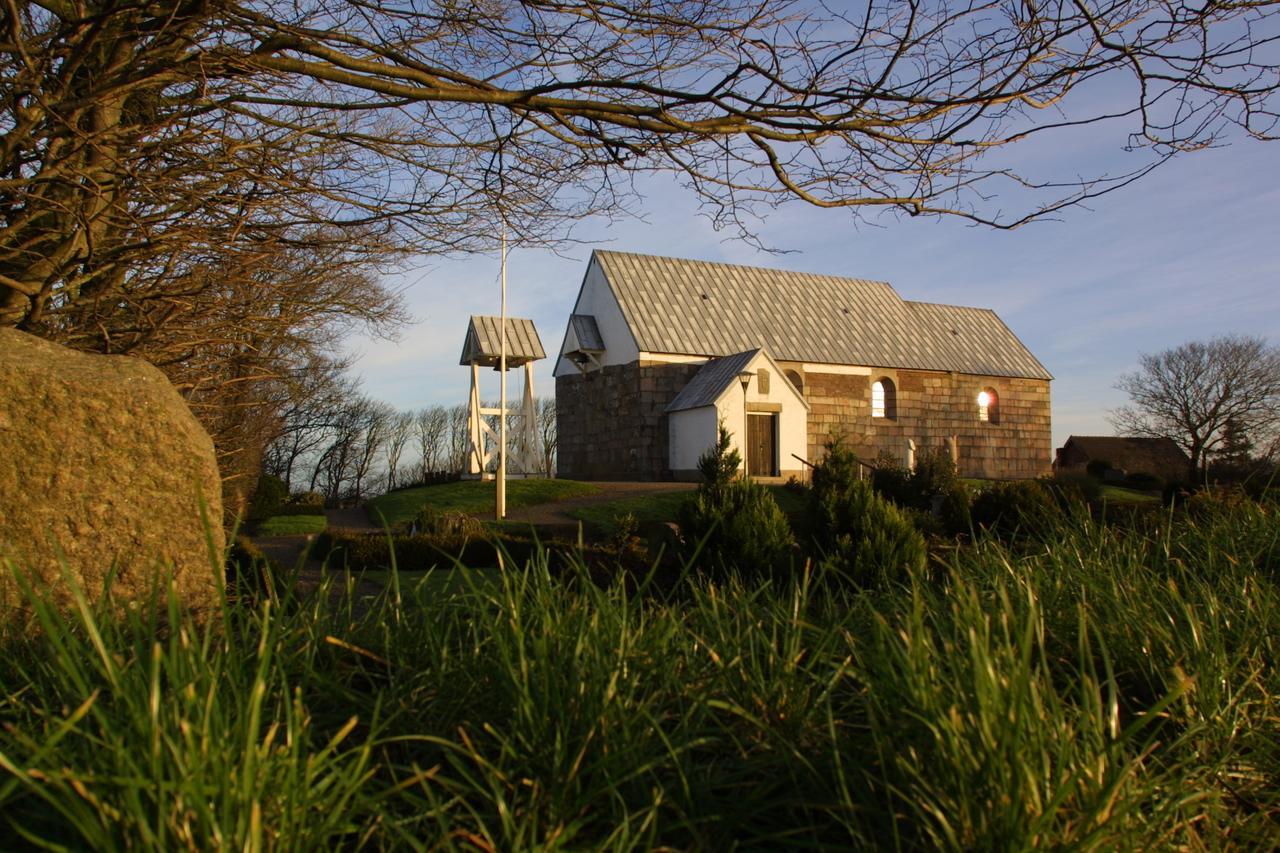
(657,349)
(1125,456)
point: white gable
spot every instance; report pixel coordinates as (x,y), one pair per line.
(596,299)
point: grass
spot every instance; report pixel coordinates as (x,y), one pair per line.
(291,525)
(1119,494)
(657,507)
(1117,690)
(663,507)
(474,497)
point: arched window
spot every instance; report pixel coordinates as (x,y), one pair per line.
(795,380)
(989,406)
(884,399)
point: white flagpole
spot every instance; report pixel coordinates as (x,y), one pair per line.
(501,509)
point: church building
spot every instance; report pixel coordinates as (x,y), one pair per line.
(659,351)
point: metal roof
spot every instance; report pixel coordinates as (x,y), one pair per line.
(587,332)
(484,340)
(709,383)
(712,309)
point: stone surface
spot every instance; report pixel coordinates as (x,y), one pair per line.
(103,467)
(932,406)
(611,423)
(612,426)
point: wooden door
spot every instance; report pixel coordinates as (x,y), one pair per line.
(762,445)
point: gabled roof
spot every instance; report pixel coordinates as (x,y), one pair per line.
(484,342)
(587,332)
(718,375)
(1132,453)
(710,382)
(710,309)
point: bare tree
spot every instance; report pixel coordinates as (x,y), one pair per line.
(335,470)
(306,422)
(459,438)
(399,434)
(139,137)
(1192,392)
(547,434)
(376,419)
(243,341)
(432,431)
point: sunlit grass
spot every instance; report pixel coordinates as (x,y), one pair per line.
(473,496)
(291,525)
(1115,691)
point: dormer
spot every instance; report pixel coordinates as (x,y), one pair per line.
(583,345)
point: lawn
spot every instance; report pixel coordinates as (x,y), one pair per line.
(291,525)
(475,497)
(1120,494)
(663,506)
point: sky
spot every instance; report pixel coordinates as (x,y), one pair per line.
(1190,252)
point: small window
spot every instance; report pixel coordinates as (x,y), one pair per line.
(795,380)
(884,399)
(762,382)
(989,406)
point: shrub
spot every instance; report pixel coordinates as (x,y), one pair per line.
(1010,506)
(720,463)
(1143,482)
(957,505)
(430,478)
(250,574)
(297,509)
(1098,468)
(449,527)
(737,525)
(359,551)
(933,477)
(732,523)
(307,499)
(865,539)
(891,479)
(270,493)
(1070,485)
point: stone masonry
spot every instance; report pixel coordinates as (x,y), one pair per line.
(611,423)
(932,406)
(612,426)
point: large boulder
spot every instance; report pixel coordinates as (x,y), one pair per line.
(103,469)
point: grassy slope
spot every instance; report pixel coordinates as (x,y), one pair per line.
(474,496)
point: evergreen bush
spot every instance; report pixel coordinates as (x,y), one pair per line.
(1012,506)
(733,523)
(933,477)
(736,526)
(270,493)
(309,499)
(863,537)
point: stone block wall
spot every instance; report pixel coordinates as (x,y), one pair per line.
(932,406)
(611,423)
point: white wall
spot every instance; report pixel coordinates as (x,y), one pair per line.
(597,299)
(694,430)
(691,432)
